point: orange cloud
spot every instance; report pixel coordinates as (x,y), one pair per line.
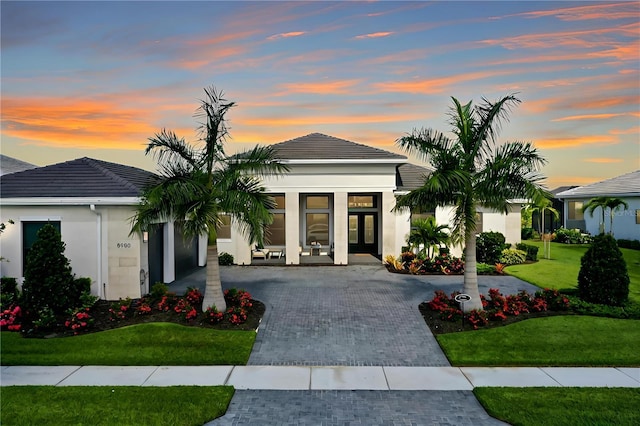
(609,11)
(322,88)
(82,123)
(374,35)
(286,35)
(577,141)
(286,121)
(587,117)
(435,85)
(603,160)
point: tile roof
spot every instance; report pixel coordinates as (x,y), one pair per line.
(317,146)
(624,185)
(410,176)
(13,165)
(83,177)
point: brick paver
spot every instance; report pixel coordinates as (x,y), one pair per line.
(333,408)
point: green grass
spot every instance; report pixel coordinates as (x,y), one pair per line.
(568,340)
(561,271)
(143,344)
(126,405)
(562,406)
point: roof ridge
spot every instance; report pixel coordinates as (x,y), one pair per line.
(113,175)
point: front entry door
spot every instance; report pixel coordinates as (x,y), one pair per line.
(363,236)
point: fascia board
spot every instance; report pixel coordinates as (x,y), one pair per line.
(347,161)
(72,201)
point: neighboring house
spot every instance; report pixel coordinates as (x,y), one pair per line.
(13,165)
(337,200)
(91,202)
(626,223)
(550,221)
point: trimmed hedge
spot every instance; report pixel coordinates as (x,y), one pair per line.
(532,251)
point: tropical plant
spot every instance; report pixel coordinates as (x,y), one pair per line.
(611,203)
(603,276)
(199,183)
(489,246)
(426,233)
(541,206)
(472,170)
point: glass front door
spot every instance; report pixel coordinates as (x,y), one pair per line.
(363,233)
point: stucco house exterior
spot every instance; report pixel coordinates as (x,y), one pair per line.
(337,200)
(91,202)
(626,223)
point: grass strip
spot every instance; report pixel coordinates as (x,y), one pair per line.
(562,406)
(126,405)
(142,344)
(561,270)
(569,340)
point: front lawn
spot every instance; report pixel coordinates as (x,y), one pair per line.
(562,406)
(567,340)
(561,271)
(126,405)
(142,344)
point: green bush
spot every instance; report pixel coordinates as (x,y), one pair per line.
(8,291)
(603,276)
(48,280)
(629,311)
(489,246)
(629,244)
(512,256)
(571,236)
(79,287)
(532,251)
(485,269)
(529,234)
(158,290)
(225,259)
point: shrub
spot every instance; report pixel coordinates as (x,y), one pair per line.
(10,318)
(629,244)
(79,320)
(571,236)
(48,280)
(603,276)
(407,257)
(489,246)
(119,310)
(529,234)
(8,291)
(159,290)
(512,256)
(555,300)
(213,316)
(194,296)
(629,311)
(532,251)
(225,259)
(80,287)
(485,269)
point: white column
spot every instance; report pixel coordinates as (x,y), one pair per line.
(169,254)
(340,228)
(292,227)
(388,225)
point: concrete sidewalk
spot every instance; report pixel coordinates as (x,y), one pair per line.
(322,378)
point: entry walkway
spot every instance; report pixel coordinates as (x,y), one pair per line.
(254,377)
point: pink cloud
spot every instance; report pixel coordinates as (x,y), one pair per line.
(374,35)
(287,35)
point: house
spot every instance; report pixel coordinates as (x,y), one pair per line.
(91,202)
(550,222)
(337,200)
(626,223)
(13,165)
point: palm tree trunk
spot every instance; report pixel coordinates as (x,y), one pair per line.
(213,295)
(471,275)
(611,224)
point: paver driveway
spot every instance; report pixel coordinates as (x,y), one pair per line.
(355,315)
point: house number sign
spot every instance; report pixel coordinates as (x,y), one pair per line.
(123,245)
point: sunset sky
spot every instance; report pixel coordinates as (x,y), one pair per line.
(97,79)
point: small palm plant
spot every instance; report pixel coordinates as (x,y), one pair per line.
(611,203)
(427,235)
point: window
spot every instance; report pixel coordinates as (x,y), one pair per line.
(415,215)
(317,202)
(575,210)
(30,235)
(275,233)
(224,227)
(362,201)
(318,228)
(637,217)
(479,224)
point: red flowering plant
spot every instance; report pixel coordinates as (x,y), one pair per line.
(239,298)
(236,315)
(80,320)
(120,309)
(477,318)
(166,303)
(555,300)
(213,316)
(143,307)
(10,318)
(194,296)
(187,311)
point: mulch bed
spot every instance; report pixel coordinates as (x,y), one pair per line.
(439,326)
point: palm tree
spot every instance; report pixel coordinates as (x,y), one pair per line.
(611,203)
(429,234)
(541,206)
(472,170)
(199,183)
